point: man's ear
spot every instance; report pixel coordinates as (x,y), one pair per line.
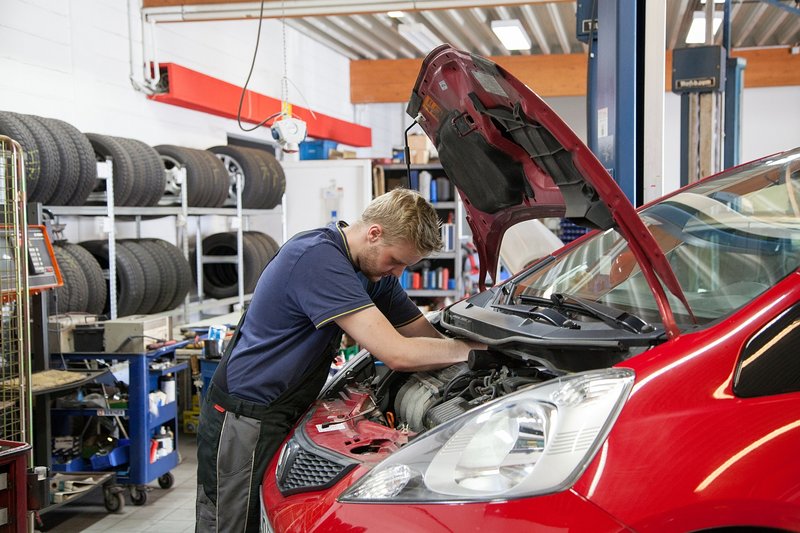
(374,233)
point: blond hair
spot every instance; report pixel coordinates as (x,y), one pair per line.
(406,216)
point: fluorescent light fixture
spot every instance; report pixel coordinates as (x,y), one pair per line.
(697,31)
(396,14)
(511,34)
(715,1)
(420,36)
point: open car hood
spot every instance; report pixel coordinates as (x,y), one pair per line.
(512,159)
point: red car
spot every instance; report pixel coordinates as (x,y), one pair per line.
(643,378)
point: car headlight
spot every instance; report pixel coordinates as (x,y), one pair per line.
(535,441)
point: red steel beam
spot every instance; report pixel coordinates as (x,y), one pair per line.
(195,90)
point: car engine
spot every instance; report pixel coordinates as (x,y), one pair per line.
(368,412)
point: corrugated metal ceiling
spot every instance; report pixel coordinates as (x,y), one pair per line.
(363,30)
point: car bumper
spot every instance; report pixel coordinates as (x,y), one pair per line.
(320,512)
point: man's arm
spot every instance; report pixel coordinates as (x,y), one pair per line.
(371,330)
(420,328)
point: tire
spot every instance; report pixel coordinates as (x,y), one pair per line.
(242,161)
(124,173)
(73,296)
(218,177)
(54,186)
(197,172)
(130,278)
(142,172)
(96,283)
(183,273)
(69,164)
(157,181)
(152,275)
(261,246)
(277,179)
(271,244)
(220,280)
(66,134)
(11,126)
(167,274)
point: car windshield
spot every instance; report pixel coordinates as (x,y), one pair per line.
(728,239)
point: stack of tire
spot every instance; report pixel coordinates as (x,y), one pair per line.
(221,280)
(138,174)
(84,289)
(152,274)
(263,179)
(60,164)
(207,181)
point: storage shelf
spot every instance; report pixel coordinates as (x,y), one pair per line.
(141,423)
(403,167)
(165,414)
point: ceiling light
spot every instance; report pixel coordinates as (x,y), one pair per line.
(715,1)
(396,14)
(697,31)
(420,36)
(511,34)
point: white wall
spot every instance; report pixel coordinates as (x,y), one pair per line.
(69,59)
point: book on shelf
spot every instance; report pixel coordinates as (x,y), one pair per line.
(426,279)
(448,230)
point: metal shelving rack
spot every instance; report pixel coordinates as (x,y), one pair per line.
(182,212)
(456,256)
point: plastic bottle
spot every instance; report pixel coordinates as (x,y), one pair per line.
(168,387)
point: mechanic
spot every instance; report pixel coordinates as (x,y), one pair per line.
(321,282)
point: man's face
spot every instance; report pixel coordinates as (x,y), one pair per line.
(383,259)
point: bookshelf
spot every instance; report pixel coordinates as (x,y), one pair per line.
(438,277)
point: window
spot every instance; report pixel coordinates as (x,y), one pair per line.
(770,363)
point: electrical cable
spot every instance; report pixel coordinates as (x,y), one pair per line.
(247,81)
(407,150)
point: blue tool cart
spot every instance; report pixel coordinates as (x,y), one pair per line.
(143,456)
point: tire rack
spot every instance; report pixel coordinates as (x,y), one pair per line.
(183,212)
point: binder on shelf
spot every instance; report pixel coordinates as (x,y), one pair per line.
(444,189)
(448,237)
(425,179)
(413,178)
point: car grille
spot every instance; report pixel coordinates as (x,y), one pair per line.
(307,471)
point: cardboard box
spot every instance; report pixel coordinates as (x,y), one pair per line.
(132,334)
(418,142)
(419,157)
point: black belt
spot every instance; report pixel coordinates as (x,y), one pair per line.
(236,405)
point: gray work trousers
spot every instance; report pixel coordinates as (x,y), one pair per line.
(237,476)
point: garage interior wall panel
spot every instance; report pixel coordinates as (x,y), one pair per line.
(70,60)
(308,181)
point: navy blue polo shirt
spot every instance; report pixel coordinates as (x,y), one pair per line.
(290,321)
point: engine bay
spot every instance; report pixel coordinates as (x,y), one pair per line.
(370,411)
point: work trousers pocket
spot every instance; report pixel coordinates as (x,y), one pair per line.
(208,435)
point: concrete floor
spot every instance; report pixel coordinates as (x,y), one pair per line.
(170,510)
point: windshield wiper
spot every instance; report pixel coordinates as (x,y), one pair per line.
(548,314)
(608,315)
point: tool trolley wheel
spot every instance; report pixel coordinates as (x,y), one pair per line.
(166,481)
(114,500)
(138,495)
